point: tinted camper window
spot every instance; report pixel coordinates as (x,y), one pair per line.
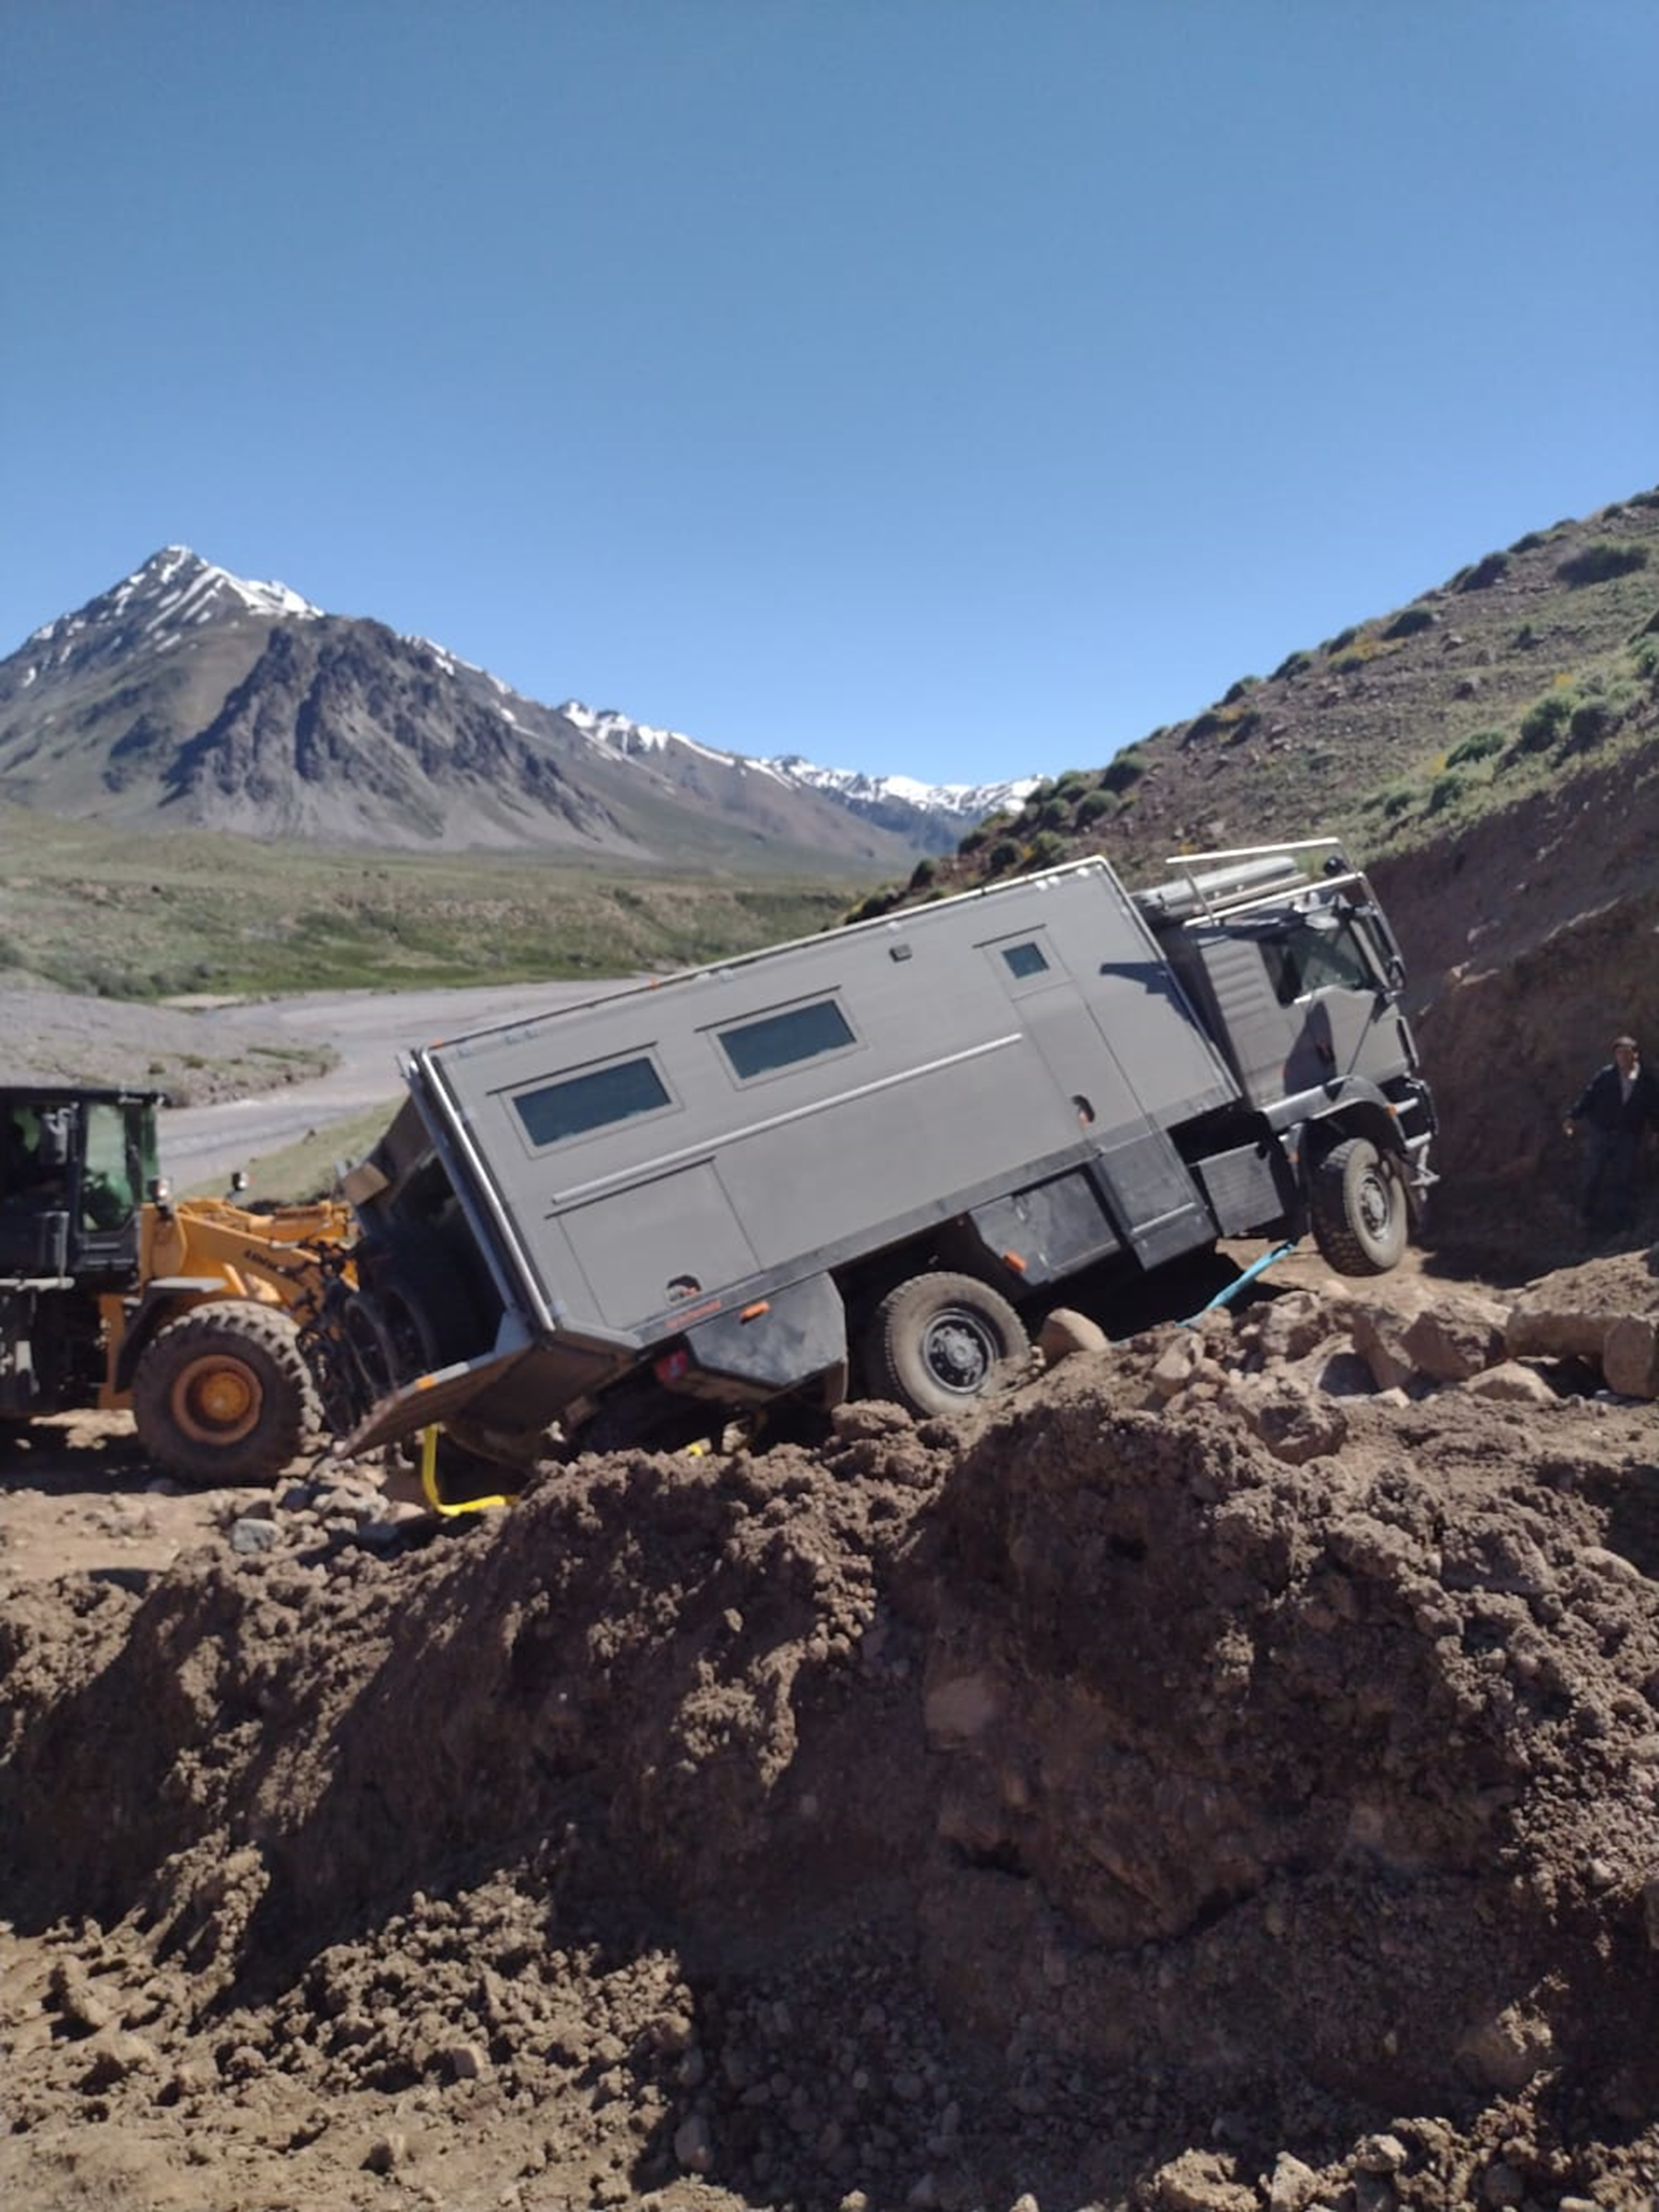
(760,1048)
(589,1101)
(1024,959)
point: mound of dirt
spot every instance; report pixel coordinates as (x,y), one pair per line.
(1223,1775)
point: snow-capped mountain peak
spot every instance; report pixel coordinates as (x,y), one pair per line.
(174,591)
(187,588)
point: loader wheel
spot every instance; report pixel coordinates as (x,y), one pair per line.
(941,1342)
(223,1393)
(1358,1207)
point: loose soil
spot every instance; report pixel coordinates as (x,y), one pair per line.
(1204,1778)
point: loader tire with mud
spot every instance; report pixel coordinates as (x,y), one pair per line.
(224,1396)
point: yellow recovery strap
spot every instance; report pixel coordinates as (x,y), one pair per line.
(429,1483)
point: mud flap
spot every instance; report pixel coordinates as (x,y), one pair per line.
(771,1346)
(428,1400)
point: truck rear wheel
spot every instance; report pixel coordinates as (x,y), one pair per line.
(1358,1206)
(223,1393)
(939,1343)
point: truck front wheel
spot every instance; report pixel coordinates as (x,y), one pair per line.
(1358,1206)
(941,1342)
(223,1393)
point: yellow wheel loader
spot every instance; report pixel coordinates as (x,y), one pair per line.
(200,1315)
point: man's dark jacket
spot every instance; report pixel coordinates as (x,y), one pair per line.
(1603,1106)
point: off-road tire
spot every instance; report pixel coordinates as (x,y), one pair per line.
(1358,1209)
(223,1395)
(941,1343)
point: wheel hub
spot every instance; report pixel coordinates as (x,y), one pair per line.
(1375,1205)
(215,1401)
(959,1352)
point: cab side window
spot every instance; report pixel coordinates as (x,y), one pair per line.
(107,1198)
(1304,960)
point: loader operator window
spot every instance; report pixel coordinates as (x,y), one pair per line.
(583,1103)
(112,1183)
(776,1040)
(1318,953)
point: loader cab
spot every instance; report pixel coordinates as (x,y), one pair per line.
(76,1167)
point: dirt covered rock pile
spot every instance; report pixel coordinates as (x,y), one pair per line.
(1224,1775)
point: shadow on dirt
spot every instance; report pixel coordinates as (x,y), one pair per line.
(1505,1239)
(61,1462)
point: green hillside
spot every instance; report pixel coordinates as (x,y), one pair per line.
(1527,665)
(90,909)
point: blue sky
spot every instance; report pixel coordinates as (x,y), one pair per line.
(957,388)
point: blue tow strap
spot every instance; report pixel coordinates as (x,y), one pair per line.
(1223,1297)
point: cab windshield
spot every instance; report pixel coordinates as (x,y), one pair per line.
(1316,953)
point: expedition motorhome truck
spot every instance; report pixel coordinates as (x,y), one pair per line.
(843,1167)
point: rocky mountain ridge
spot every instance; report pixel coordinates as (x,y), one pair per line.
(187,696)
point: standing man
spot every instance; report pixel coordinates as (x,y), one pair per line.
(1618,1103)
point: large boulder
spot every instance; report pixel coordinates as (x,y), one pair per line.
(1436,1334)
(1631,1356)
(1546,1324)
(1456,1338)
(1566,1315)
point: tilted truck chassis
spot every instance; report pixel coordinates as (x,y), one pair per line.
(852,1164)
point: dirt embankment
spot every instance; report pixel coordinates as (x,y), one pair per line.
(1222,1776)
(1530,938)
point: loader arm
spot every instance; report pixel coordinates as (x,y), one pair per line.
(199,1250)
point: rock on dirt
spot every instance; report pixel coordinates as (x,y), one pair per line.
(1222,1774)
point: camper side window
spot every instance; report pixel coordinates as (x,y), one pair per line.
(760,1048)
(1025,959)
(594,1101)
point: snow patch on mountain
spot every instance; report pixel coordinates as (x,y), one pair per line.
(854,787)
(973,801)
(605,727)
(182,583)
(174,588)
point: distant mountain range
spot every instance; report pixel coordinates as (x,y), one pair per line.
(186,695)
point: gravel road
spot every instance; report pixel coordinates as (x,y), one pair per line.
(369,1029)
